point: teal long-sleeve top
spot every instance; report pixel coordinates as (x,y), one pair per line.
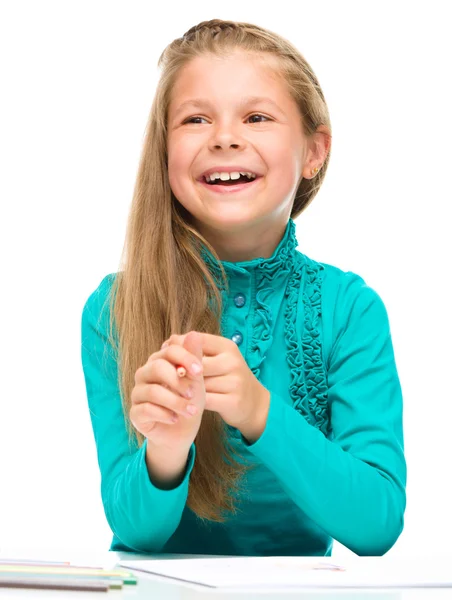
(329,463)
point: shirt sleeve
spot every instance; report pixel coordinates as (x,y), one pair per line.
(142,516)
(352,485)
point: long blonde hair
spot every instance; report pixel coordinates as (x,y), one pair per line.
(163,285)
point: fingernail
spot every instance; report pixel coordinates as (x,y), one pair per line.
(164,345)
(192,409)
(196,368)
(189,392)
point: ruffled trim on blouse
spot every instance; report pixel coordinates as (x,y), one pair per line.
(308,388)
(267,272)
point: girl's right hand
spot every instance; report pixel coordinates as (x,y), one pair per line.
(160,404)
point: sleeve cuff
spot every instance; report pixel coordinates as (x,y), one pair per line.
(141,515)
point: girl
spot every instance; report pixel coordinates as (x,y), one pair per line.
(286,430)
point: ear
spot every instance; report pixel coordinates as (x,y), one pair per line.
(319,144)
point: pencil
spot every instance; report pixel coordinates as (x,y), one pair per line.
(52,584)
(181,371)
(71,571)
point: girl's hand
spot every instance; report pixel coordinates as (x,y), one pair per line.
(162,409)
(232,390)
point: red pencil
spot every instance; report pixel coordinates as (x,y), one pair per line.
(181,371)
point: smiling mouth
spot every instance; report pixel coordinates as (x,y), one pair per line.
(230,187)
(229,182)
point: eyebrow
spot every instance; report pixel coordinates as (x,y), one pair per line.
(201,103)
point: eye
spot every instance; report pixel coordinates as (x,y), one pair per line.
(190,120)
(259,115)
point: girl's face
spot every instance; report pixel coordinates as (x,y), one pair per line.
(232,115)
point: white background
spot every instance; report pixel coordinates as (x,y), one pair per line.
(78,80)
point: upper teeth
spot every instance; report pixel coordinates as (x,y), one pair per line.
(226,176)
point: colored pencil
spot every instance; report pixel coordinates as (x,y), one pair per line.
(181,371)
(66,571)
(53,584)
(34,563)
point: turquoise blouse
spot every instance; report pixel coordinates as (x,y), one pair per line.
(330,462)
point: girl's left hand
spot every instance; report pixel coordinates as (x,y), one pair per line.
(232,389)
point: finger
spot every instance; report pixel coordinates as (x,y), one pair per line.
(193,343)
(164,373)
(216,402)
(189,356)
(180,357)
(213,366)
(219,384)
(159,372)
(144,416)
(216,366)
(216,344)
(160,395)
(211,344)
(174,339)
(174,356)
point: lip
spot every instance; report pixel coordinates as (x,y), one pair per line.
(228,169)
(229,189)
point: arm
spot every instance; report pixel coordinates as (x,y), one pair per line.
(352,486)
(142,515)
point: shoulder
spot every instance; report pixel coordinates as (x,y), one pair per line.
(97,304)
(103,289)
(346,301)
(341,289)
(331,276)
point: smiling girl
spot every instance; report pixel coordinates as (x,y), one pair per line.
(289,432)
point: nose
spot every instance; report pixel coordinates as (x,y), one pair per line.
(225,136)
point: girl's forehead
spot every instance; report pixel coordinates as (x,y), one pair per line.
(236,69)
(235,59)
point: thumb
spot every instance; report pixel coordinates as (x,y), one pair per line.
(193,343)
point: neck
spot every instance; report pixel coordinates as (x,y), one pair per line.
(246,244)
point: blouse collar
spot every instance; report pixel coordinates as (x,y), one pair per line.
(281,259)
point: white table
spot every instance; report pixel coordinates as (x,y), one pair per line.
(154,588)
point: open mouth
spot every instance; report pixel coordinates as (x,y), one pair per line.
(230,182)
(231,186)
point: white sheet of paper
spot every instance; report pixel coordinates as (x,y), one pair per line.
(284,572)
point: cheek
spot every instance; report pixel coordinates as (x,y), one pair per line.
(285,158)
(277,149)
(281,165)
(175,166)
(180,158)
